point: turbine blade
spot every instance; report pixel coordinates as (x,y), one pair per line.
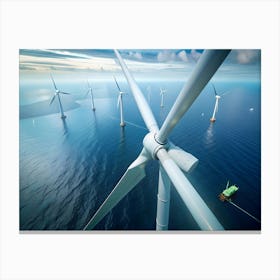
(205,68)
(52,99)
(133,175)
(63,92)
(214,89)
(217,105)
(88,83)
(141,102)
(203,216)
(117,84)
(53,82)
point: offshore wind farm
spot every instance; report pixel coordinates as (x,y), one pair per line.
(70,166)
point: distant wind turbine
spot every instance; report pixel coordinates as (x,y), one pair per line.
(216,108)
(57,94)
(172,160)
(162,92)
(120,103)
(91,94)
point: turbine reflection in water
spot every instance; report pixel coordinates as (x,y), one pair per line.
(208,140)
(65,127)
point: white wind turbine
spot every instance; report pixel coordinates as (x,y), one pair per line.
(57,94)
(162,92)
(120,103)
(213,119)
(172,160)
(91,94)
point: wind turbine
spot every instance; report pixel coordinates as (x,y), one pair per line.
(57,94)
(162,92)
(91,94)
(216,104)
(120,103)
(173,160)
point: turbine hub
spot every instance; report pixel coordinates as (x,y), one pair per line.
(152,146)
(56,91)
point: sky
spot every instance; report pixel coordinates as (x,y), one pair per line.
(241,64)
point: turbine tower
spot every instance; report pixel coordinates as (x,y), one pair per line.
(120,103)
(57,94)
(162,92)
(216,105)
(173,160)
(91,94)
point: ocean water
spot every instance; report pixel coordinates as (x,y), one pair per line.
(68,167)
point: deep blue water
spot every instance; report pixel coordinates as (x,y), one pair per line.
(68,168)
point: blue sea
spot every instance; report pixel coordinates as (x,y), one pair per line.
(68,167)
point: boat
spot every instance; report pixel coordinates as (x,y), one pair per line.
(228,192)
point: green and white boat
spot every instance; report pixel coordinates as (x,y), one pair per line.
(228,192)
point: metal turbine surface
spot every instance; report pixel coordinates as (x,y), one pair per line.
(172,159)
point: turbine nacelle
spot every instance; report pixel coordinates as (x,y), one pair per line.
(152,146)
(186,161)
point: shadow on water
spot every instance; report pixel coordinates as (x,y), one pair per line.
(65,128)
(122,138)
(208,140)
(94,121)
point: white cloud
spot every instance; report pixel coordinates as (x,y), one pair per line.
(67,53)
(166,55)
(246,56)
(48,63)
(183,56)
(135,55)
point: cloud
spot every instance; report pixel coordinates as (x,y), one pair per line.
(135,55)
(247,56)
(166,56)
(183,56)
